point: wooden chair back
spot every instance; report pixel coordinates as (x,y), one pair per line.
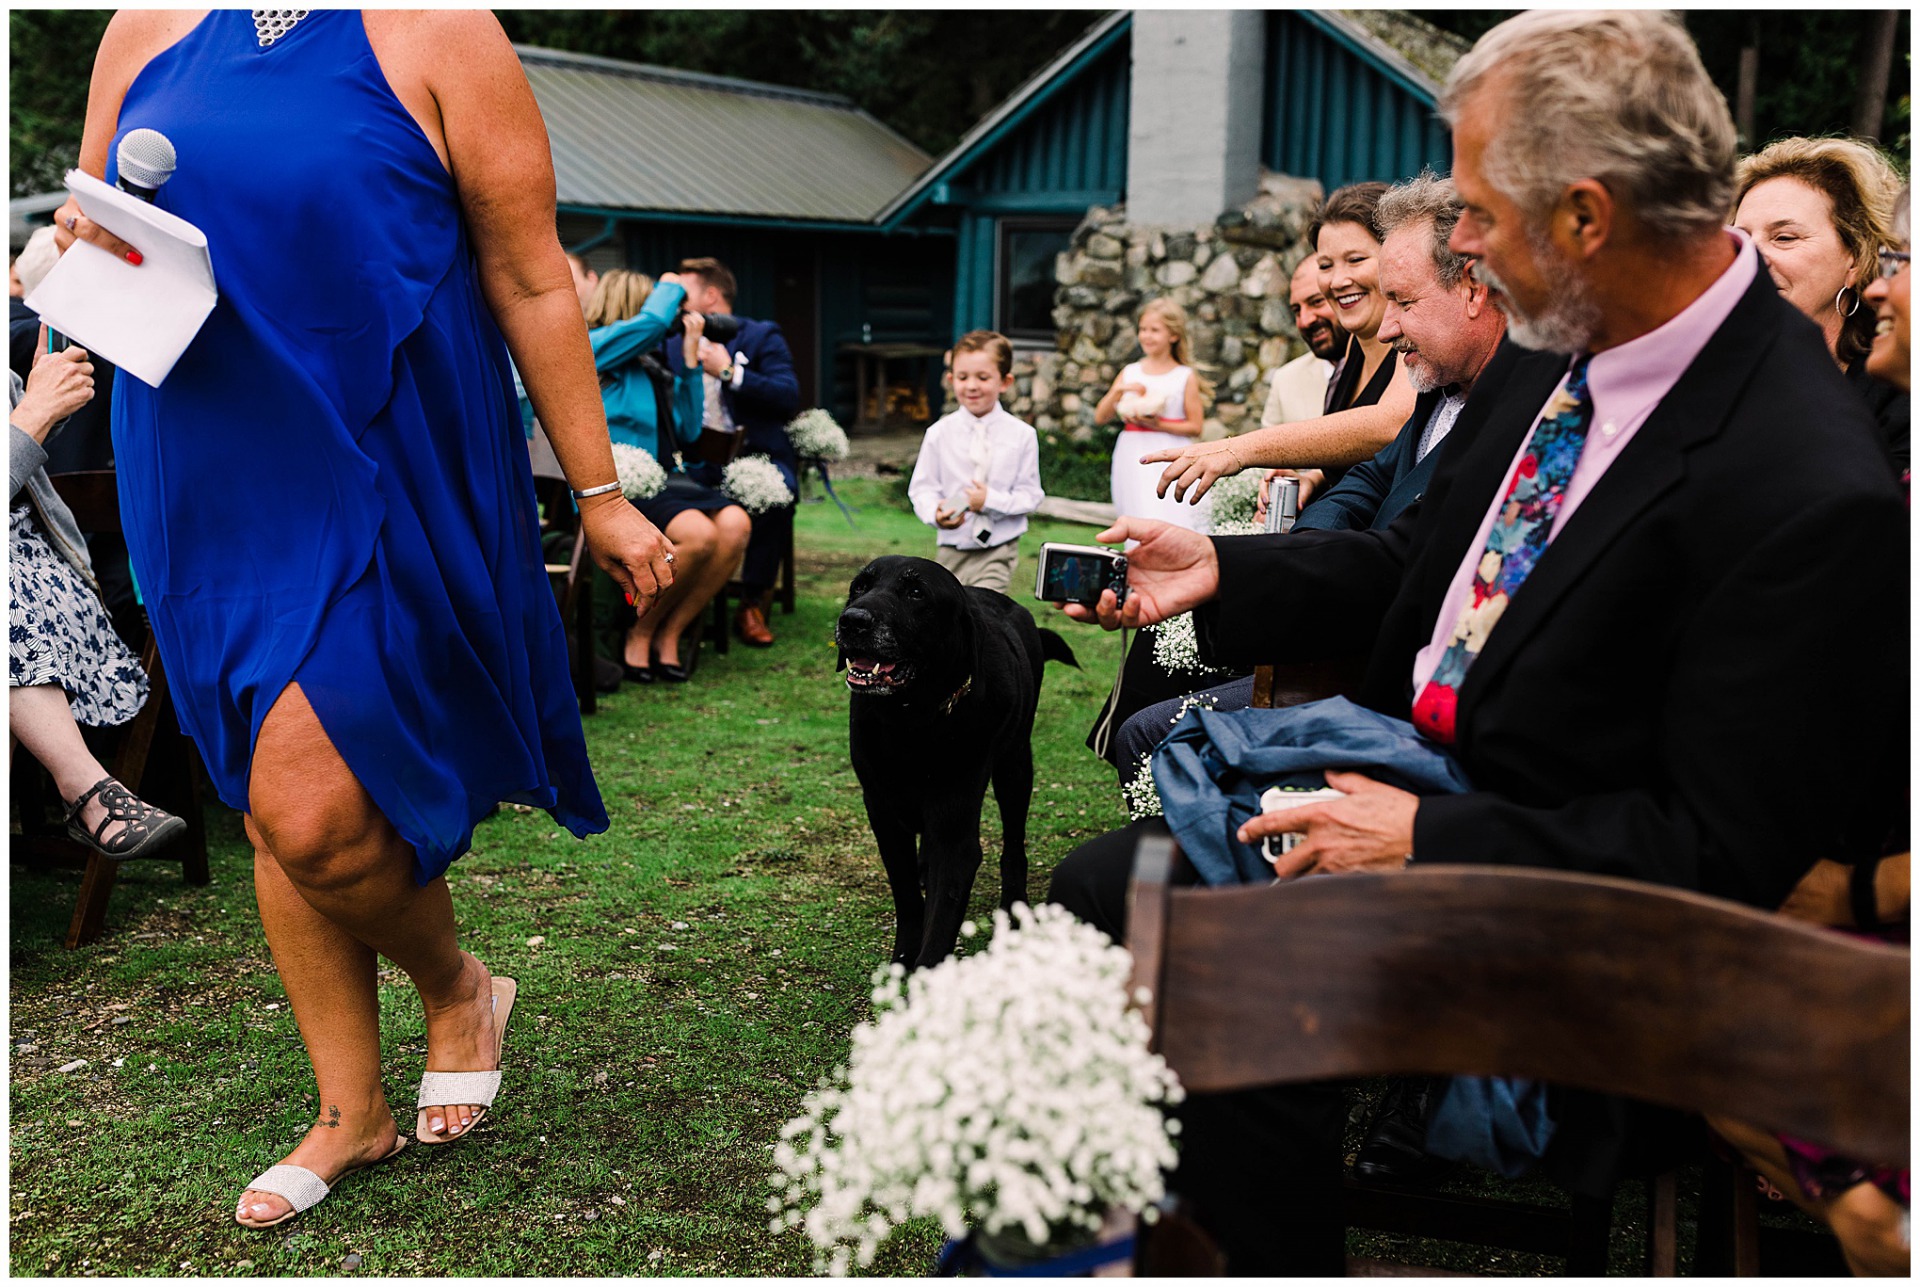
(1613,986)
(154,759)
(735,591)
(572,578)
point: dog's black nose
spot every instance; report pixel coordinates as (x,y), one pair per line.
(857,620)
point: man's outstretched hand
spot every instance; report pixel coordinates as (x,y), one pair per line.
(1171,571)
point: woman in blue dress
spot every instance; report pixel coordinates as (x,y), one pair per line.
(329,509)
(628,315)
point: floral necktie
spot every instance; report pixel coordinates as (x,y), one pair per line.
(1514,544)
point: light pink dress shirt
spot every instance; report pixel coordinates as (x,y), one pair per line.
(1627,382)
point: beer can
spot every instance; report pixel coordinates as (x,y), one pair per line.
(1283,504)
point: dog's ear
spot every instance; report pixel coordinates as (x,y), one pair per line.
(963,628)
(839,656)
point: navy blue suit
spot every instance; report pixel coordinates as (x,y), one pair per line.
(767,399)
(1376,491)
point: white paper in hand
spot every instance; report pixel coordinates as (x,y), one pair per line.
(139,318)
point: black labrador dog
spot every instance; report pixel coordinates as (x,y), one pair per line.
(945,680)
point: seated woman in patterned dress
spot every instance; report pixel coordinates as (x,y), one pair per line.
(65,665)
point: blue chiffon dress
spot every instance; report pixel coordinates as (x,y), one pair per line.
(332,488)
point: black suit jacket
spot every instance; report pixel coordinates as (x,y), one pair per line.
(1703,683)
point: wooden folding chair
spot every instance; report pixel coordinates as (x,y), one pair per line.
(1635,990)
(571,577)
(736,592)
(154,760)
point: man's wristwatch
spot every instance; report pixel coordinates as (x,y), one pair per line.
(726,374)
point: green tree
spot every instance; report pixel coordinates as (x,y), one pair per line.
(1810,63)
(928,74)
(52,60)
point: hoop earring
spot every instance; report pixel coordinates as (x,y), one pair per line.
(1846,312)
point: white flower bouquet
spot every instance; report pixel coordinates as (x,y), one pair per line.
(757,483)
(641,476)
(1235,500)
(1176,647)
(1013,1087)
(1141,792)
(816,435)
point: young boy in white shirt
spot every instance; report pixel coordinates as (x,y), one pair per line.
(978,476)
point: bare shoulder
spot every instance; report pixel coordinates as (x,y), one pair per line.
(441,47)
(134,36)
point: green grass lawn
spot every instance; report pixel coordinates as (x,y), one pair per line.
(685,978)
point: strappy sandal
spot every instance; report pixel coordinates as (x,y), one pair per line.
(147,828)
(444,1089)
(302,1188)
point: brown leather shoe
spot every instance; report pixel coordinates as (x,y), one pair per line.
(751,625)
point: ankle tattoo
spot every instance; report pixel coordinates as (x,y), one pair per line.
(333,1117)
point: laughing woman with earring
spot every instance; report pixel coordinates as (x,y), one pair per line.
(329,507)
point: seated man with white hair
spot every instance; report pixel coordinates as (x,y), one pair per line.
(1445,329)
(1665,579)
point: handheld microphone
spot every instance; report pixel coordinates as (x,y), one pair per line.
(146,161)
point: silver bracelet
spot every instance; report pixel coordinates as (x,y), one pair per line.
(601,490)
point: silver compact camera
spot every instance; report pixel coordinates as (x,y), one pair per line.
(1078,573)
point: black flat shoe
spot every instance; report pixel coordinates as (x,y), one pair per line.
(638,674)
(1394,1151)
(145,829)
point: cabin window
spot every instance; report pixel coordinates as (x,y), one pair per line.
(1023,306)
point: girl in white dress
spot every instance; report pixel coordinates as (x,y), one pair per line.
(1161,401)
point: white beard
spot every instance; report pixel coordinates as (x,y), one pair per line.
(1568,323)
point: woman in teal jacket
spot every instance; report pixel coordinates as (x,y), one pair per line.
(627,319)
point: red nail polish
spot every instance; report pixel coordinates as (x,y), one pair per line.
(134,258)
(629,600)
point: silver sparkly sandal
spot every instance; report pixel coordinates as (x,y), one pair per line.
(302,1188)
(448,1088)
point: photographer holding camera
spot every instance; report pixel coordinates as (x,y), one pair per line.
(751,393)
(649,407)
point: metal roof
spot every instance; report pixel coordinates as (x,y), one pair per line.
(996,124)
(633,136)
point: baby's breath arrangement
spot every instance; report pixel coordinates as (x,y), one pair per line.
(1235,499)
(757,484)
(816,435)
(1142,793)
(1013,1087)
(1176,647)
(641,476)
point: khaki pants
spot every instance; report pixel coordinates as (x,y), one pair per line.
(992,567)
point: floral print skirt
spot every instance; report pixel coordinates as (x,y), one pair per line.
(58,632)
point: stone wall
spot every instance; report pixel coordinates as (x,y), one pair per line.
(1232,278)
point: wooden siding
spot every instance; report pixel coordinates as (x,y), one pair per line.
(1075,143)
(1333,117)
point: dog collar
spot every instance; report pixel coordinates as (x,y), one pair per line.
(946,707)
